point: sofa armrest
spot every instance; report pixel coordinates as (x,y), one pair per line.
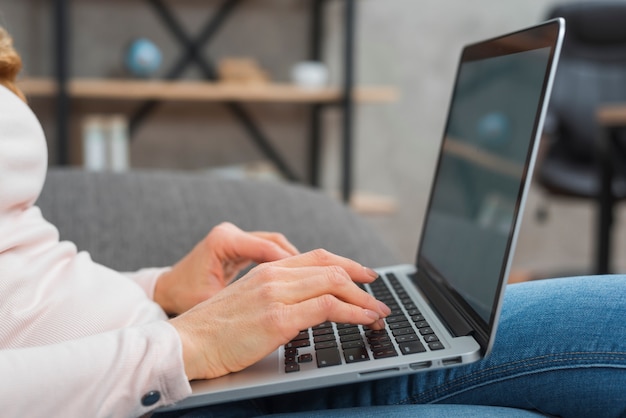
(152,218)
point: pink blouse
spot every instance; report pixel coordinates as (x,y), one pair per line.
(76,338)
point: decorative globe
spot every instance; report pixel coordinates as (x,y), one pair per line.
(143,58)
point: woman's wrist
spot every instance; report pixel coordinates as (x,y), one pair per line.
(162,291)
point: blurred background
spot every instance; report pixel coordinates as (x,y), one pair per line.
(409,46)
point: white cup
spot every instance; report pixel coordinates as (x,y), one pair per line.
(310,74)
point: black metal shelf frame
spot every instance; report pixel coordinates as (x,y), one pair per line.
(192,55)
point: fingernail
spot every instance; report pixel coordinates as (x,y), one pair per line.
(384,308)
(371,273)
(380,324)
(372,315)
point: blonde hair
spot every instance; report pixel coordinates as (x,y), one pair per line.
(10,63)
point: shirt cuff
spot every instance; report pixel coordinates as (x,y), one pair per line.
(147,278)
(173,385)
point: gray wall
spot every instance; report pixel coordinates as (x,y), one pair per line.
(178,135)
(412,45)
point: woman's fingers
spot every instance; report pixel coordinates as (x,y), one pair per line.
(321,257)
(257,246)
(261,247)
(324,308)
(279,239)
(295,285)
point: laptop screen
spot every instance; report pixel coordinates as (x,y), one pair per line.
(492,124)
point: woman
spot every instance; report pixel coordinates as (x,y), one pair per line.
(106,335)
(103,341)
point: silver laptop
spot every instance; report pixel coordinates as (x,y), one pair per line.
(445,308)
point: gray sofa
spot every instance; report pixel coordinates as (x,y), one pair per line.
(152,218)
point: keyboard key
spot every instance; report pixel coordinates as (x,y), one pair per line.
(302,335)
(422,324)
(322,331)
(388,300)
(381,345)
(305,358)
(292,367)
(395,319)
(437,345)
(326,344)
(399,325)
(385,352)
(378,338)
(412,347)
(350,337)
(353,355)
(430,338)
(426,331)
(373,335)
(353,344)
(322,338)
(346,331)
(375,332)
(391,277)
(406,338)
(328,357)
(402,331)
(298,344)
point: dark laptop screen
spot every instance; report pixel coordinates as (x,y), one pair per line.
(487,144)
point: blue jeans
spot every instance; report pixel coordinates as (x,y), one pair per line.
(560,350)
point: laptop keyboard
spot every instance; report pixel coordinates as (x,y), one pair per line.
(406,332)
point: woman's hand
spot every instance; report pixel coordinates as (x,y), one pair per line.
(269,306)
(214,263)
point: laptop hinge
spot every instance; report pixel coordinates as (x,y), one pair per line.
(457,325)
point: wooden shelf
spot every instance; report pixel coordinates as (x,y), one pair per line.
(200,91)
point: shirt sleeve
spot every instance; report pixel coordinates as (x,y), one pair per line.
(122,373)
(146,278)
(77,339)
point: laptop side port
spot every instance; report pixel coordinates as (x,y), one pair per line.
(451,361)
(421,365)
(392,369)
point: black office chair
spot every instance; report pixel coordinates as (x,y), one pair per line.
(592,72)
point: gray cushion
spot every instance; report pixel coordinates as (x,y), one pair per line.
(152,218)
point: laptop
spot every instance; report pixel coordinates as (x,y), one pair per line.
(445,308)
